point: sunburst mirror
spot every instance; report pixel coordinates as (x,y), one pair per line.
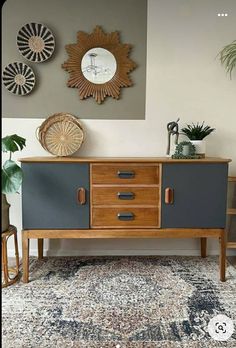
(99,65)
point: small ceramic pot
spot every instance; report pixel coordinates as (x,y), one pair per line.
(185,150)
(200,146)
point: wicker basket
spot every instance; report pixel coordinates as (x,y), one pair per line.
(61,134)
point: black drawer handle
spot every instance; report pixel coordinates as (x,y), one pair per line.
(125,195)
(126,174)
(125,216)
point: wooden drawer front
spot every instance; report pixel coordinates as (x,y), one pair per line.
(123,195)
(124,217)
(125,174)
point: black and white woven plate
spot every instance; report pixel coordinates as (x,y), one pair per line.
(35,42)
(18,78)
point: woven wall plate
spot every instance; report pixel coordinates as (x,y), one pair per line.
(61,134)
(18,78)
(35,42)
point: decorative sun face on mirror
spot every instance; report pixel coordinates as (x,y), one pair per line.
(99,65)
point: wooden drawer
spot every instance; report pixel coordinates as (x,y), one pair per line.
(127,217)
(125,174)
(123,195)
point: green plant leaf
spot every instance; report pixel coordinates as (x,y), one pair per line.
(197,131)
(12,143)
(12,176)
(228,57)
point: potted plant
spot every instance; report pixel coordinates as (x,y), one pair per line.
(228,57)
(196,133)
(11,174)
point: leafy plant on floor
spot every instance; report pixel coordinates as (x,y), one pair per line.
(12,174)
(228,57)
(197,131)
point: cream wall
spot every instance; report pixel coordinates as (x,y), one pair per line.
(183,80)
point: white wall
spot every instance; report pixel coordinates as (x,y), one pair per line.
(183,80)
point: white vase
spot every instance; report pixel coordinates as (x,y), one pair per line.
(200,147)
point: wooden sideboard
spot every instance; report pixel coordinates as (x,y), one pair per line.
(123,198)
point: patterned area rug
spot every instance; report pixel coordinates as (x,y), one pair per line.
(120,302)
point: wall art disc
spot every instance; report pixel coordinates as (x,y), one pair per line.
(35,42)
(18,78)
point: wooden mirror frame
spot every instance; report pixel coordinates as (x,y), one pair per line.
(110,42)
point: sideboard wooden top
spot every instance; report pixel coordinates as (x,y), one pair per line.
(51,159)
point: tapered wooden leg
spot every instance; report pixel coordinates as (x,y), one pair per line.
(40,248)
(222,255)
(203,247)
(25,252)
(4,260)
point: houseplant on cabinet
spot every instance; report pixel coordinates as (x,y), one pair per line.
(196,134)
(11,174)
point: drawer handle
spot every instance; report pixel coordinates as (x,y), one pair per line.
(125,195)
(126,174)
(81,195)
(125,216)
(169,195)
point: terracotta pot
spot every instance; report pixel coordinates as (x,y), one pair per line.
(5,213)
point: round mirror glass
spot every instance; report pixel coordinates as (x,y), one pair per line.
(98,65)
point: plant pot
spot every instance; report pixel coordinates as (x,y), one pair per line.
(200,146)
(185,151)
(5,213)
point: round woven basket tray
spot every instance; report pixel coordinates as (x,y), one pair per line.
(61,134)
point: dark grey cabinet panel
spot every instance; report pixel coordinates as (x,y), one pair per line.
(49,195)
(200,191)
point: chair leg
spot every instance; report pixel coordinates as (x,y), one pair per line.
(5,261)
(16,252)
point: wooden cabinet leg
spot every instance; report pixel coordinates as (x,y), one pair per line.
(203,247)
(25,254)
(222,255)
(40,248)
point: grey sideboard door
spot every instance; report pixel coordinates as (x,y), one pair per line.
(200,191)
(49,195)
